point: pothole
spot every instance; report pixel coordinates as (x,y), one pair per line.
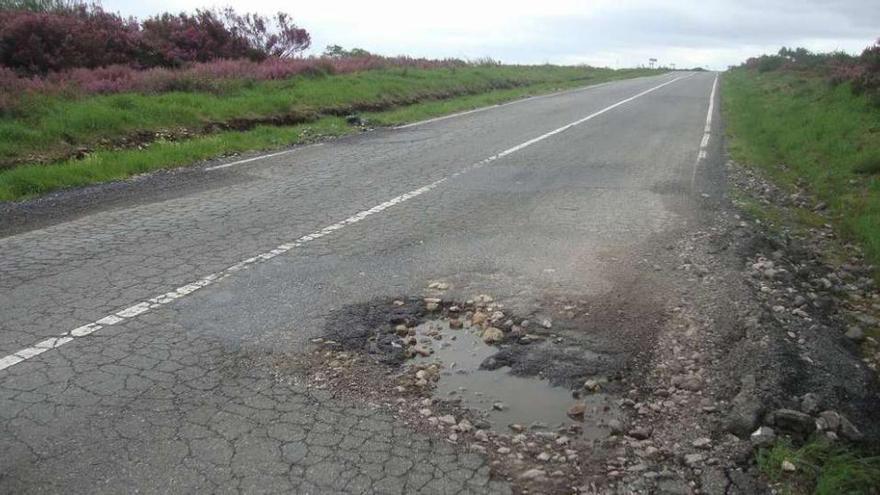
(468,375)
(526,391)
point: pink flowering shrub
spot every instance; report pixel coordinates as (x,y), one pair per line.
(85,36)
(207,76)
(39,42)
(862,72)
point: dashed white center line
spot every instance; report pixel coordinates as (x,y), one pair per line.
(168,297)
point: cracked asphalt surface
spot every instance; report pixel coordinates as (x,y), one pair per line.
(182,398)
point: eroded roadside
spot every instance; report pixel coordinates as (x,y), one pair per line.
(731,337)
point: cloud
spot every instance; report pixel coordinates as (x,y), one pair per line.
(713,33)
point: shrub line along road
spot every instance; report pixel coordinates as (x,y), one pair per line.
(126,329)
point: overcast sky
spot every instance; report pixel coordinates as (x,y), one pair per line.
(709,33)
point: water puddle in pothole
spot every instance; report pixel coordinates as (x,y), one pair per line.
(501,397)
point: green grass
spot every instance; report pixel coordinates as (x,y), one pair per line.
(822,468)
(58,124)
(44,125)
(798,128)
(104,166)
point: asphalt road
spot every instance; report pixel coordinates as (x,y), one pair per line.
(134,315)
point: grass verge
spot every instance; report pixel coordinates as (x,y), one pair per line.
(799,130)
(25,181)
(821,468)
(51,125)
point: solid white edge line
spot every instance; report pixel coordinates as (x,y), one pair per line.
(143,307)
(437,119)
(517,101)
(261,157)
(702,153)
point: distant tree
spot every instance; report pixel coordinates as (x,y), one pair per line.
(336,51)
(284,39)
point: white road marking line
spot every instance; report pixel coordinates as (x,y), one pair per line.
(162,299)
(707,132)
(514,102)
(261,157)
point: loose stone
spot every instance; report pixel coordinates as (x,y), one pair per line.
(492,335)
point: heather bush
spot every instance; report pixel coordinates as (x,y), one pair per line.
(209,76)
(57,36)
(862,72)
(173,40)
(41,5)
(39,42)
(867,77)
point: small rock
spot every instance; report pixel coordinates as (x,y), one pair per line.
(616,426)
(855,334)
(499,406)
(503,450)
(788,466)
(577,410)
(543,456)
(849,430)
(432,306)
(533,474)
(763,436)
(481,435)
(563,440)
(492,335)
(641,433)
(465,426)
(828,421)
(702,443)
(447,419)
(425,412)
(421,350)
(692,383)
(546,323)
(479,318)
(592,385)
(810,403)
(517,427)
(791,420)
(693,460)
(455,323)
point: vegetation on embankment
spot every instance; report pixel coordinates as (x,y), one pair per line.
(820,467)
(801,130)
(249,116)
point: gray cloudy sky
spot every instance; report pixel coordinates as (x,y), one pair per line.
(711,33)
